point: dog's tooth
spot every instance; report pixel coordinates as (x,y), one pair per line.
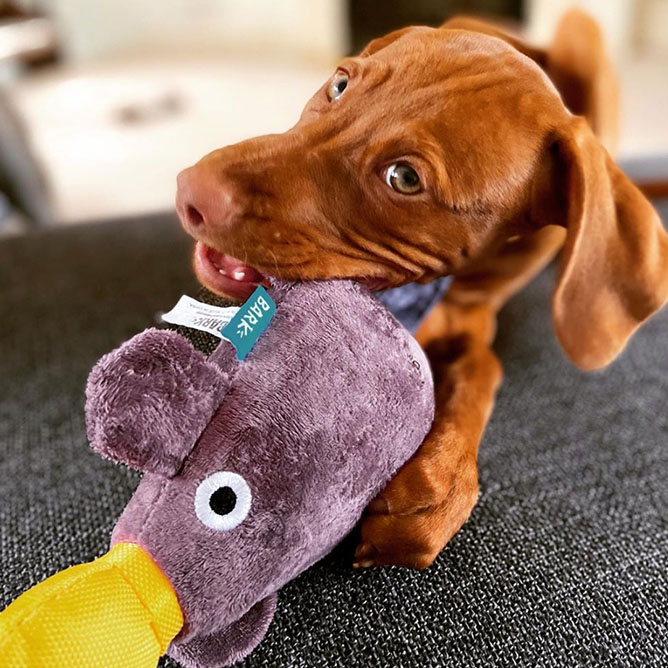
(239,275)
(223,272)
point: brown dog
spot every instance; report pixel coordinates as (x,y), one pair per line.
(444,151)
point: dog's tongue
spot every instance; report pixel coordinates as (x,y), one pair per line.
(225,273)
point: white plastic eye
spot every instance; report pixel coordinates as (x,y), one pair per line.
(223,500)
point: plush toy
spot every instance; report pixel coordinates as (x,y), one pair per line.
(253,470)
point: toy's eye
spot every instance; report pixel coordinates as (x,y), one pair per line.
(223,500)
(337,85)
(403,178)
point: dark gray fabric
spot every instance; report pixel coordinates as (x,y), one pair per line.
(563,563)
(645,168)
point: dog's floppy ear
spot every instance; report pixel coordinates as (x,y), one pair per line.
(614,265)
(476,25)
(577,63)
(375,45)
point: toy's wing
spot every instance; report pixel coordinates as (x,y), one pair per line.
(148,401)
(230,645)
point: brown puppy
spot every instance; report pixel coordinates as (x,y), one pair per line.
(444,151)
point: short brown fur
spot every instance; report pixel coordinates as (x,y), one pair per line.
(509,176)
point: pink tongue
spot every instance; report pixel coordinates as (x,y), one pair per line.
(233,268)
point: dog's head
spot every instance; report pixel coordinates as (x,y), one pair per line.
(416,158)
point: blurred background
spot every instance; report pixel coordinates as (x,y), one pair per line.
(102,102)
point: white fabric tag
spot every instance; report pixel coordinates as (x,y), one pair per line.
(205,317)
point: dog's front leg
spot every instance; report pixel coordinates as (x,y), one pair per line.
(432,496)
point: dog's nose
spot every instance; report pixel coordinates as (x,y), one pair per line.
(205,199)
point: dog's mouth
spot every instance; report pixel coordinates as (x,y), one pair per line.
(225,274)
(228,276)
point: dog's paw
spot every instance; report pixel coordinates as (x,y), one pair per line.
(415,516)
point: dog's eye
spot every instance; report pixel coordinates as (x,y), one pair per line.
(403,178)
(223,500)
(337,85)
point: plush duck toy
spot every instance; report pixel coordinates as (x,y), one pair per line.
(253,470)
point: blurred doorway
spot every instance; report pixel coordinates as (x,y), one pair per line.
(370,18)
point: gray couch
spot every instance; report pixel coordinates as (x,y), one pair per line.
(563,563)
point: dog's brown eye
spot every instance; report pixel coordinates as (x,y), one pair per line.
(336,86)
(403,178)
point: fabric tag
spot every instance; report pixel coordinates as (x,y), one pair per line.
(248,324)
(205,317)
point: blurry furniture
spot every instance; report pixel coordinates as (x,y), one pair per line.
(651,171)
(150,87)
(313,30)
(564,562)
(26,36)
(113,135)
(23,188)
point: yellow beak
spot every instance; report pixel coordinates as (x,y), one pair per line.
(119,610)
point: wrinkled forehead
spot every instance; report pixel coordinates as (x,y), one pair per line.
(445,76)
(470,94)
(431,55)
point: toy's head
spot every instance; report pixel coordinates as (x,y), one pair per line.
(256,469)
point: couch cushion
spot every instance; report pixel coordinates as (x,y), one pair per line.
(564,562)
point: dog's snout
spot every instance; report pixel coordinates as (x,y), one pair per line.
(206,200)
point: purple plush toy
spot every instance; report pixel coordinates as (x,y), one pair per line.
(256,469)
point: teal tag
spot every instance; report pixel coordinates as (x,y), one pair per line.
(250,321)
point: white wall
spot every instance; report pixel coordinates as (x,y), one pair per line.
(97,28)
(652,27)
(616,18)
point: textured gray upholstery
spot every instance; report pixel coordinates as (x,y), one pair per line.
(563,563)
